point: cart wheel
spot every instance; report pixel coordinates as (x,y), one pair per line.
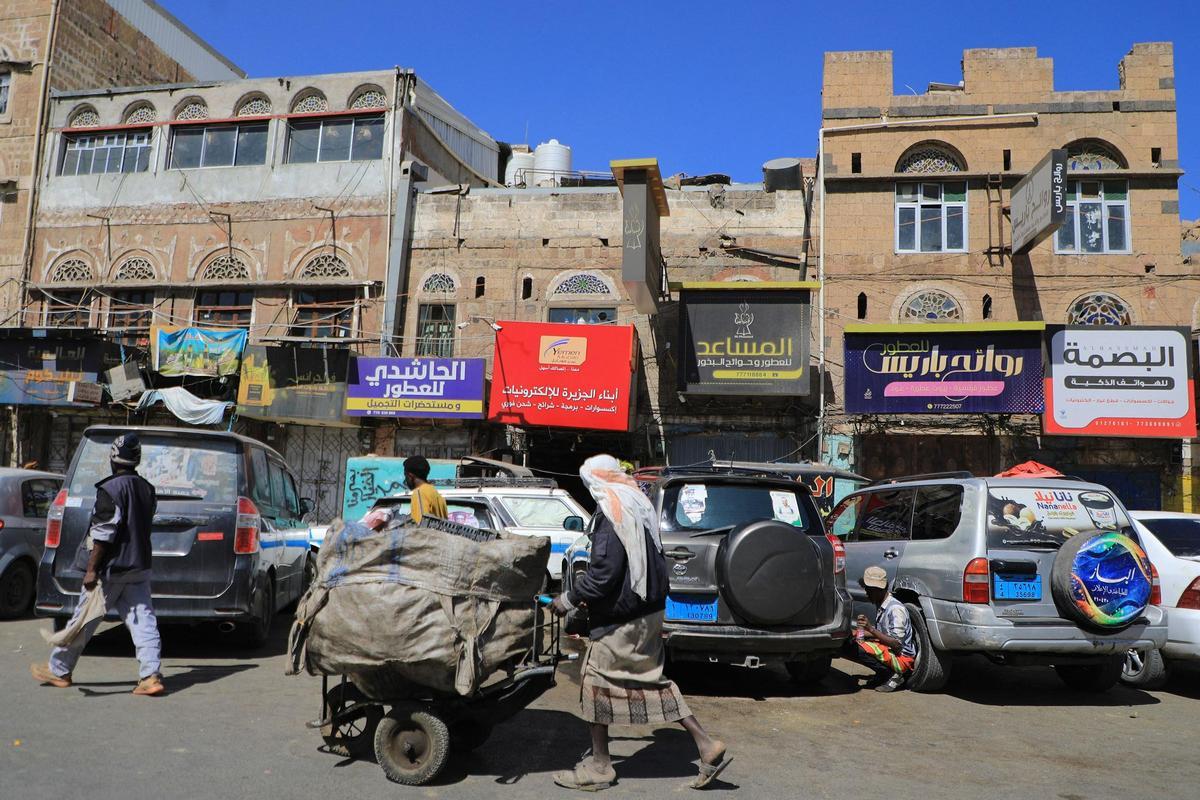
(412,746)
(352,737)
(469,734)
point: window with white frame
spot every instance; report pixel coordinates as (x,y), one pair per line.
(227,145)
(116,151)
(435,330)
(1097,219)
(352,138)
(931,217)
(5,83)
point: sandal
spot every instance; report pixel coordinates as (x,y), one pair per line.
(586,778)
(709,772)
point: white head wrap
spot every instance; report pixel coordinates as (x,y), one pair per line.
(629,510)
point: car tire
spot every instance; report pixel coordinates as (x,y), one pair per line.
(310,573)
(257,632)
(1064,581)
(1144,669)
(932,668)
(412,747)
(806,673)
(1091,677)
(17,587)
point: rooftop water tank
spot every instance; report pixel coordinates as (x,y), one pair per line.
(782,173)
(551,163)
(519,170)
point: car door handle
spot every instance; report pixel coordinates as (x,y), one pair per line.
(891,553)
(680,554)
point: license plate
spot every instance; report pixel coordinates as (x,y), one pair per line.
(1017,587)
(692,609)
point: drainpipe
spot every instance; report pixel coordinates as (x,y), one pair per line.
(400,241)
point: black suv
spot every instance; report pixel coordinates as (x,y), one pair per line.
(754,577)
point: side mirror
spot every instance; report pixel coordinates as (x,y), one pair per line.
(306,506)
(573,523)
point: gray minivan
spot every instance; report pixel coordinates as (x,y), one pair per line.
(229,543)
(25,497)
(992,566)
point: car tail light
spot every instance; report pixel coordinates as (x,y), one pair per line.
(245,535)
(54,519)
(1191,596)
(975,582)
(839,553)
(1155,587)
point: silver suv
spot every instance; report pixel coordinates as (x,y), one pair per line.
(1021,570)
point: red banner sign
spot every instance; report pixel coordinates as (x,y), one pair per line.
(564,376)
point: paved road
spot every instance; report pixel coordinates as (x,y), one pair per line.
(233,726)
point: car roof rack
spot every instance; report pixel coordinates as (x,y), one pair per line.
(502,482)
(926,476)
(711,469)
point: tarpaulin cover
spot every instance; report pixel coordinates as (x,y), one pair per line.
(185,405)
(411,608)
(1030,469)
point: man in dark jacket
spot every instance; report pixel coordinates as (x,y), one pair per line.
(117,566)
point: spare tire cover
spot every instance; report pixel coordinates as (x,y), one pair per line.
(769,571)
(1102,580)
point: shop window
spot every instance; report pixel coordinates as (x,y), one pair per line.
(1097,219)
(238,145)
(584,316)
(323,313)
(118,151)
(931,217)
(931,306)
(435,330)
(131,310)
(231,308)
(68,309)
(1099,308)
(357,138)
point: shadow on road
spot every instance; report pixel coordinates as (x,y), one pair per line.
(191,641)
(721,680)
(977,680)
(176,682)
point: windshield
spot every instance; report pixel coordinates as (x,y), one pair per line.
(706,506)
(1020,517)
(1180,536)
(538,512)
(180,468)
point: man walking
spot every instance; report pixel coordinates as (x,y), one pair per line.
(888,646)
(117,574)
(426,499)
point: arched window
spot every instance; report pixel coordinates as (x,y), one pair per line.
(585,286)
(66,308)
(1093,154)
(326,266)
(369,97)
(526,287)
(141,114)
(439,283)
(134,269)
(1097,219)
(73,270)
(253,106)
(862,305)
(930,158)
(581,283)
(931,306)
(311,102)
(226,267)
(480,286)
(192,108)
(987,306)
(1099,308)
(84,117)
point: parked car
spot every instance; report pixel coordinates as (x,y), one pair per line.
(987,565)
(1172,540)
(25,498)
(230,544)
(755,579)
(522,505)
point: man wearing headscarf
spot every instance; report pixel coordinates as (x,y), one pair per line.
(625,591)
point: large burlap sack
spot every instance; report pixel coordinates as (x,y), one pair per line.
(412,608)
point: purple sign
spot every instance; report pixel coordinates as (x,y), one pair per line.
(924,372)
(433,388)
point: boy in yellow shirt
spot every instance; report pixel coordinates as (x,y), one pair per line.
(425,498)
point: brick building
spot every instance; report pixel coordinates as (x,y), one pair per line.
(915,231)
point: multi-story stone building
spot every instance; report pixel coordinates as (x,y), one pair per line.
(916,230)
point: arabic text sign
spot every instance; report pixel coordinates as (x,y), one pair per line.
(744,342)
(197,351)
(41,373)
(565,376)
(1128,381)
(446,388)
(992,372)
(1039,201)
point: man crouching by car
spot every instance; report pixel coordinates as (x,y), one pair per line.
(888,647)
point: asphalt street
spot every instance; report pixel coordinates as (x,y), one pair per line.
(232,726)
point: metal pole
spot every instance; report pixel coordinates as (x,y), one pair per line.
(821,298)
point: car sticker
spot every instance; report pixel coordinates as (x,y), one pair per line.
(785,507)
(693,500)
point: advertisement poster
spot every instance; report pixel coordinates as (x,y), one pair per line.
(301,384)
(430,388)
(40,372)
(744,342)
(564,376)
(1127,381)
(202,352)
(1025,517)
(978,371)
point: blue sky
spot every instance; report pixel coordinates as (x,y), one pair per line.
(704,86)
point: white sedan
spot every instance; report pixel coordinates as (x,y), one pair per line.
(1172,541)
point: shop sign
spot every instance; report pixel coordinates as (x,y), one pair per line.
(202,352)
(42,372)
(294,384)
(1038,203)
(1126,381)
(86,392)
(564,376)
(927,369)
(744,341)
(429,388)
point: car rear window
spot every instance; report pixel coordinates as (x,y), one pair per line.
(462,513)
(702,506)
(1045,517)
(181,468)
(1180,536)
(537,512)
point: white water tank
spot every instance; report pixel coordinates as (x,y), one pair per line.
(519,170)
(551,163)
